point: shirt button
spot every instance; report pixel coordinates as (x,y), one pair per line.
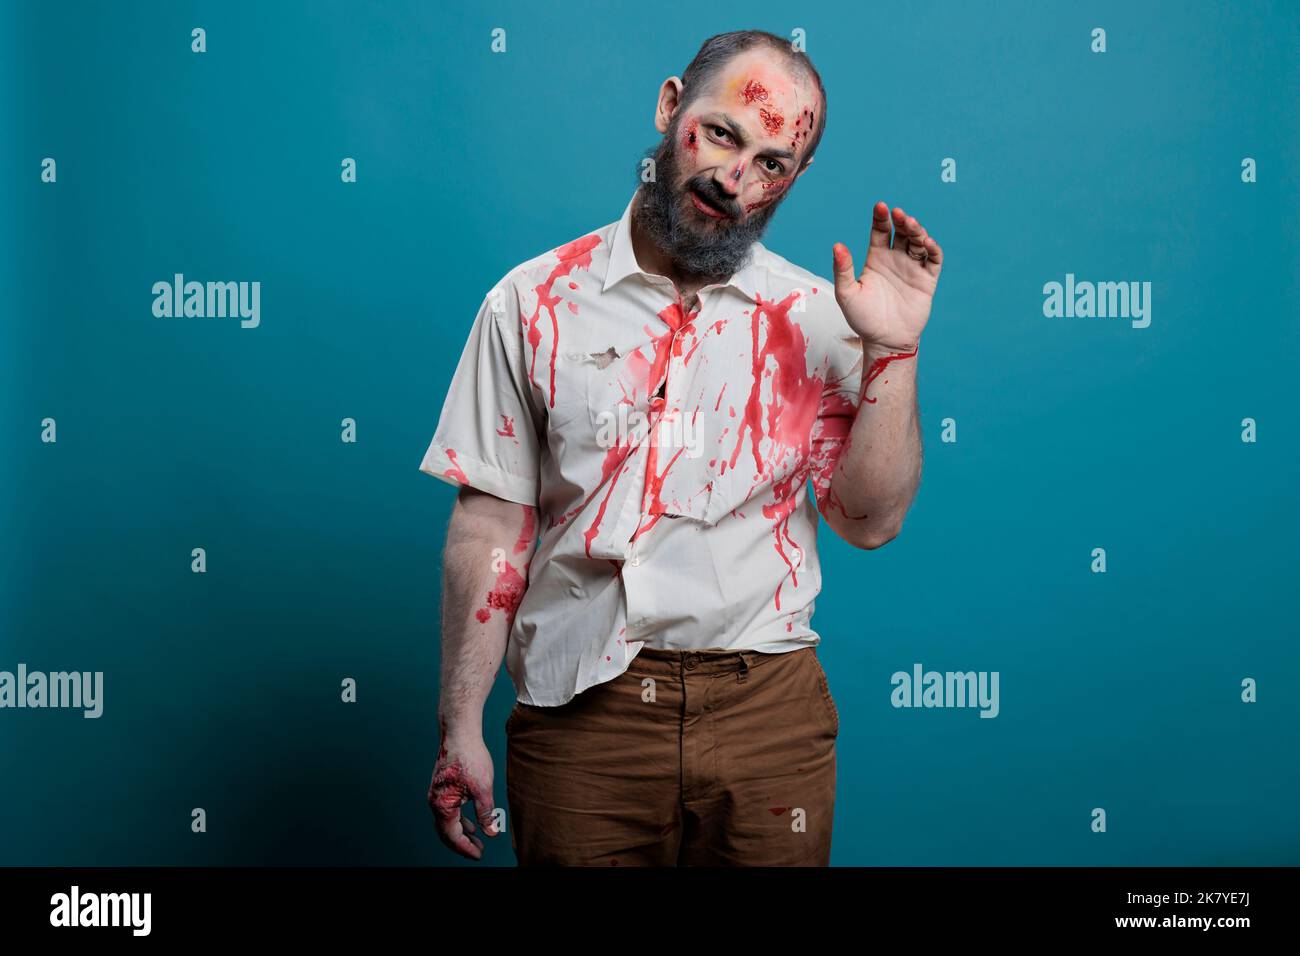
(636,560)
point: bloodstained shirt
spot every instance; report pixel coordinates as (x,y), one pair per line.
(668,453)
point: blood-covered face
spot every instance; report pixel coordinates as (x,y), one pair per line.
(728,158)
(747,136)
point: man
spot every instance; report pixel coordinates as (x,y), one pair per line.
(652,399)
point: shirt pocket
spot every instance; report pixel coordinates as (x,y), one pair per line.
(573,372)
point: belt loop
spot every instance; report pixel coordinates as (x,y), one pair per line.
(742,672)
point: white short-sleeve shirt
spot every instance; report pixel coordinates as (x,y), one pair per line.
(668,453)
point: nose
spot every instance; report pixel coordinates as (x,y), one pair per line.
(731,180)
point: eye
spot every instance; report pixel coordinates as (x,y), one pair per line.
(721,133)
(772,166)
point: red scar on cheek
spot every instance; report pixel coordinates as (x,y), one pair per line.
(753,91)
(772,122)
(770,192)
(689,140)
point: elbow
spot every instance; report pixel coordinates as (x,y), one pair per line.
(878,537)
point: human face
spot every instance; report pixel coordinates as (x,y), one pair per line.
(741,144)
(726,162)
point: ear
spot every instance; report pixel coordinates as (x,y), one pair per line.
(670,97)
(804,168)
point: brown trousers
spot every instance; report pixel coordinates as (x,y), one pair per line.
(691,758)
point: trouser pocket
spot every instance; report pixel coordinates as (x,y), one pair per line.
(828,702)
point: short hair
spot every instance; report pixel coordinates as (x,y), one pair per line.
(717,51)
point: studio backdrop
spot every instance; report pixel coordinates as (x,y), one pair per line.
(220,561)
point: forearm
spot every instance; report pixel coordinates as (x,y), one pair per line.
(879,468)
(485,570)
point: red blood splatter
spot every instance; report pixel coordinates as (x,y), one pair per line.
(611,466)
(879,366)
(790,416)
(529,531)
(651,502)
(832,437)
(504,596)
(507,429)
(753,90)
(777,811)
(689,138)
(574,255)
(771,192)
(454,471)
(665,343)
(829,442)
(451,787)
(675,317)
(772,121)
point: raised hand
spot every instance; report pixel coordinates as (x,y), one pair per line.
(888,305)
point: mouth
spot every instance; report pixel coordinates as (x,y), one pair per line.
(705,208)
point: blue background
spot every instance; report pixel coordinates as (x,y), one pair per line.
(1118,690)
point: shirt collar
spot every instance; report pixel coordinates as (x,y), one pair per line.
(622,260)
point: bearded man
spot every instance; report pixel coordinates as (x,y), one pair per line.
(633,425)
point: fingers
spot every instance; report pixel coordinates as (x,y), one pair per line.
(470,829)
(845,284)
(450,789)
(935,250)
(910,236)
(485,808)
(906,229)
(452,831)
(879,227)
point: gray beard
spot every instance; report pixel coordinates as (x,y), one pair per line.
(661,216)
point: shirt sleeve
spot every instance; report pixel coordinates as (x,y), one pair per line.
(488,434)
(838,409)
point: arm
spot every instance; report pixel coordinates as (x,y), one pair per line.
(879,469)
(490,543)
(888,305)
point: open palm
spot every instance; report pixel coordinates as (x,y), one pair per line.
(888,304)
